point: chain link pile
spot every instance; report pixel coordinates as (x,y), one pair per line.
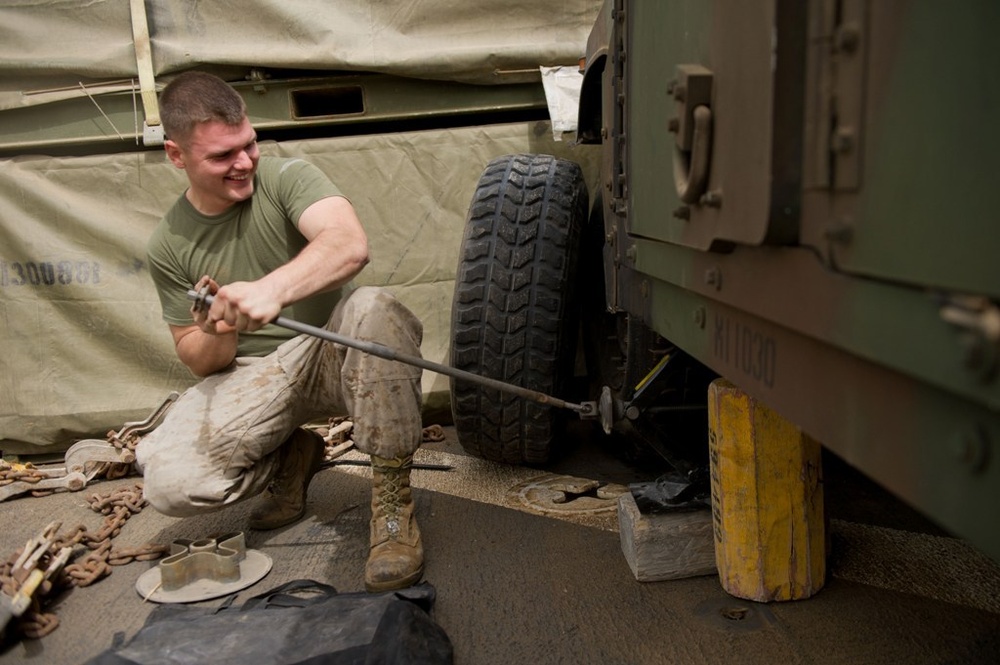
(94,554)
(22,473)
(93,557)
(432,434)
(337,433)
(30,474)
(116,470)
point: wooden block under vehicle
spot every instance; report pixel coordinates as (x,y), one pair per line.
(666,546)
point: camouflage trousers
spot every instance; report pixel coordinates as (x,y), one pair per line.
(218,443)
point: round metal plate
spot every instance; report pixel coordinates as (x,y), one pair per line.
(253,568)
(567,495)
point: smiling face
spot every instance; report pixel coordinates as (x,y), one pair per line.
(220,161)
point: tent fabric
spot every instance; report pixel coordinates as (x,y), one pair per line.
(84,347)
(52,49)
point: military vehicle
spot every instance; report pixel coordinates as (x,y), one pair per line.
(795,196)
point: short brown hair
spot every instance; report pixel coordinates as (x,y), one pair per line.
(196,97)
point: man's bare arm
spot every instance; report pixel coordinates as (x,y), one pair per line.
(204,353)
(337,251)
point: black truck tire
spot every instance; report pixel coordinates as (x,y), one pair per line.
(515,316)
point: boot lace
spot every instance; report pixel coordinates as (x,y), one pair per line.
(389,500)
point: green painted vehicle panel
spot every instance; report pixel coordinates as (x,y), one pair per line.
(927,214)
(838,261)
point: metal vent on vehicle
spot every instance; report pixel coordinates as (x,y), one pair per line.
(329,101)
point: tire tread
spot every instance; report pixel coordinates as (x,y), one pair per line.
(514,316)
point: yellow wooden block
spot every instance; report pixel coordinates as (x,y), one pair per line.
(767,500)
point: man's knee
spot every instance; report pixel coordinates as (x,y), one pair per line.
(164,497)
(374,312)
(177,492)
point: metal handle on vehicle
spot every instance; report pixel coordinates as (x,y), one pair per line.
(691,175)
(692,91)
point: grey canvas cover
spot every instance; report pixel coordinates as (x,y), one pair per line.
(50,49)
(84,349)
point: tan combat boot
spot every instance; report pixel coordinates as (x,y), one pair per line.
(396,558)
(284,501)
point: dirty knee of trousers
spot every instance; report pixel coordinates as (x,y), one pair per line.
(168,498)
(374,314)
(171,489)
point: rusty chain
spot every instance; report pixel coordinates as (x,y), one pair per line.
(117,506)
(433,433)
(28,473)
(338,429)
(117,470)
(24,473)
(35,625)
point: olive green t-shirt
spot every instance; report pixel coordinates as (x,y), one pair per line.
(242,244)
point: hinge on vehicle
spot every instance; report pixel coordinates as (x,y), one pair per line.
(840,37)
(979,319)
(619,178)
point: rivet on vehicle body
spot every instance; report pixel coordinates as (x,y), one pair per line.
(842,140)
(980,355)
(847,39)
(699,317)
(713,277)
(972,449)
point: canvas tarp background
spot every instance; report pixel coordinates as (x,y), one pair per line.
(84,349)
(50,49)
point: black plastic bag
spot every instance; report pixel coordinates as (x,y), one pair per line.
(673,492)
(303,621)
